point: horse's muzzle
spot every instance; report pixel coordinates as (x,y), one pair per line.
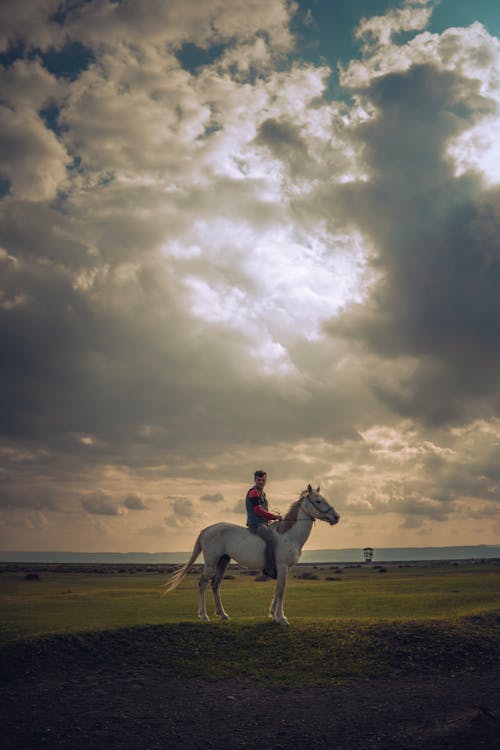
(334,519)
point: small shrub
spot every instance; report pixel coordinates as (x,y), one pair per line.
(229,577)
(32,577)
(332,578)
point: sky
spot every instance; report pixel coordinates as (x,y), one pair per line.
(248,234)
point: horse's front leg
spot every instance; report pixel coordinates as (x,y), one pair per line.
(276,610)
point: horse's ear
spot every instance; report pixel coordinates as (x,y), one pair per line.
(317,489)
(309,488)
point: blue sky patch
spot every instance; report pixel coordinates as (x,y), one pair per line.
(50,117)
(192,57)
(4,187)
(69,62)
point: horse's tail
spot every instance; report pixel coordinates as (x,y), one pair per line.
(180,574)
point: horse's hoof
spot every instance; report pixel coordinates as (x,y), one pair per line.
(283,621)
(204,619)
(224,617)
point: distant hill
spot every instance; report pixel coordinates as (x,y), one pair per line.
(382,554)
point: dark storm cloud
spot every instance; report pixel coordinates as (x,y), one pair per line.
(469,477)
(21,20)
(216,497)
(183,507)
(100,503)
(42,326)
(24,498)
(285,142)
(104,360)
(437,248)
(127,371)
(66,331)
(164,279)
(134,502)
(181,512)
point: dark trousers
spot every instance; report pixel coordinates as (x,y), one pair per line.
(267,535)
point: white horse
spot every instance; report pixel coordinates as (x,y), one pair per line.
(223,541)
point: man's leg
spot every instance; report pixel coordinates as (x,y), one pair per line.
(267,535)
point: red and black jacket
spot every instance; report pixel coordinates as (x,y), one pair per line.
(257,508)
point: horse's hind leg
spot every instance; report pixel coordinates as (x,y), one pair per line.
(216,584)
(208,572)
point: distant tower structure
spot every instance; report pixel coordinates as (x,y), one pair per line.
(368,553)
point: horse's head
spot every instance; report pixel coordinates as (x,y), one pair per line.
(318,507)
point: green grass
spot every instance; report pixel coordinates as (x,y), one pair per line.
(308,654)
(78,602)
(367,624)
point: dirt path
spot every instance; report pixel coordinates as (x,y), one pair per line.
(115,708)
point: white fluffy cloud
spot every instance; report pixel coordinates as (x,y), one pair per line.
(32,158)
(29,22)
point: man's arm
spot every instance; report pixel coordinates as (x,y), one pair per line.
(262,513)
(255,499)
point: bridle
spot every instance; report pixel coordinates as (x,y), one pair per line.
(323,513)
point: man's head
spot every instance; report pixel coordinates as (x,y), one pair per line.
(260,478)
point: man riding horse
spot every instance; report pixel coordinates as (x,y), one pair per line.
(258,518)
(222,542)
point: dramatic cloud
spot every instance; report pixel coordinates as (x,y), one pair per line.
(435,235)
(29,22)
(218,255)
(101,504)
(134,502)
(217,497)
(181,511)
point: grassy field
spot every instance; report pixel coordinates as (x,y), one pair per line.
(368,621)
(78,602)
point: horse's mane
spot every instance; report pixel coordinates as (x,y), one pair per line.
(290,517)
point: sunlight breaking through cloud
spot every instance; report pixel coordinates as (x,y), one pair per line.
(248,234)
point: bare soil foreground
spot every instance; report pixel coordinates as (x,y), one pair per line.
(89,696)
